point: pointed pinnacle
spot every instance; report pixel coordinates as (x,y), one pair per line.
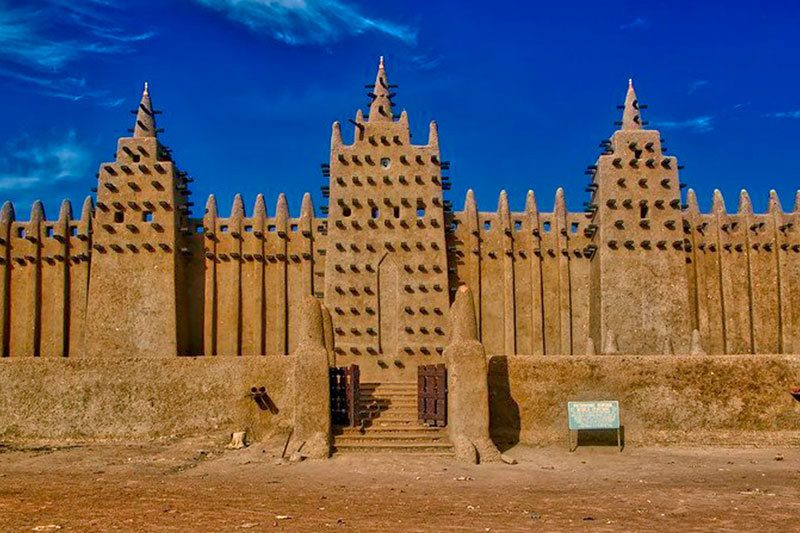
(7,213)
(745,205)
(718,202)
(631,117)
(774,202)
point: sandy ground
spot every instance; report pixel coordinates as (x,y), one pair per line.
(196,485)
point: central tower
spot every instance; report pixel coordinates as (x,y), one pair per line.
(386,267)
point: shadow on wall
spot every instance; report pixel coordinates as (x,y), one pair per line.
(504,420)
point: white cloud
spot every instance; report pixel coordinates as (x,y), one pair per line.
(784,114)
(25,164)
(698,124)
(301,22)
(699,84)
(34,48)
(637,23)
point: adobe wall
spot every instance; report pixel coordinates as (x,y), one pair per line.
(141,398)
(735,399)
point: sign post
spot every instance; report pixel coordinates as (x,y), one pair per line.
(592,415)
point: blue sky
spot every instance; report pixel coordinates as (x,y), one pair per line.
(523,91)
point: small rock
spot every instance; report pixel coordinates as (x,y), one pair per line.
(507,460)
(548,468)
(462,478)
(534,515)
(49,527)
(295,457)
(283,517)
(238,440)
(588,518)
(779,457)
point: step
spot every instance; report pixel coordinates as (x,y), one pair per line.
(403,434)
(444,448)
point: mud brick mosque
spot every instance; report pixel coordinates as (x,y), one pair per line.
(638,273)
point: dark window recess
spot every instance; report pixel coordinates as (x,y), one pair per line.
(546,226)
(643,211)
(517,225)
(198,229)
(420,212)
(375,212)
(119,216)
(271,228)
(346,211)
(73,230)
(487,225)
(21,233)
(396,212)
(293,227)
(50,231)
(574,227)
(248,229)
(223,229)
(147,216)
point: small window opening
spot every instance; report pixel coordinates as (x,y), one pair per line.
(223,229)
(375,213)
(517,225)
(396,212)
(346,211)
(575,227)
(293,227)
(420,212)
(119,216)
(487,225)
(50,231)
(271,228)
(643,211)
(21,233)
(248,229)
(546,226)
(454,223)
(198,229)
(386,162)
(147,216)
(73,230)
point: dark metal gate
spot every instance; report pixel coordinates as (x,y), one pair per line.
(344,395)
(432,395)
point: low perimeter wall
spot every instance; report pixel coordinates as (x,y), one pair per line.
(142,398)
(731,399)
(663,399)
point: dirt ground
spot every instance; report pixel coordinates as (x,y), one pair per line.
(196,485)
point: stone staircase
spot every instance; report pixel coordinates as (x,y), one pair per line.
(388,414)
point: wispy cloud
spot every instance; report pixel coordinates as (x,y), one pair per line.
(35,51)
(637,23)
(784,114)
(699,84)
(25,164)
(304,22)
(426,62)
(699,124)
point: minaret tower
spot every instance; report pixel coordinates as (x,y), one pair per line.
(386,270)
(639,284)
(138,256)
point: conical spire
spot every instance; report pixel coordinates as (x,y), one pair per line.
(145,118)
(282,214)
(560,208)
(745,205)
(307,207)
(336,135)
(433,134)
(718,202)
(503,210)
(381,107)
(530,203)
(237,214)
(774,202)
(7,213)
(691,203)
(85,223)
(64,217)
(210,218)
(631,117)
(465,325)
